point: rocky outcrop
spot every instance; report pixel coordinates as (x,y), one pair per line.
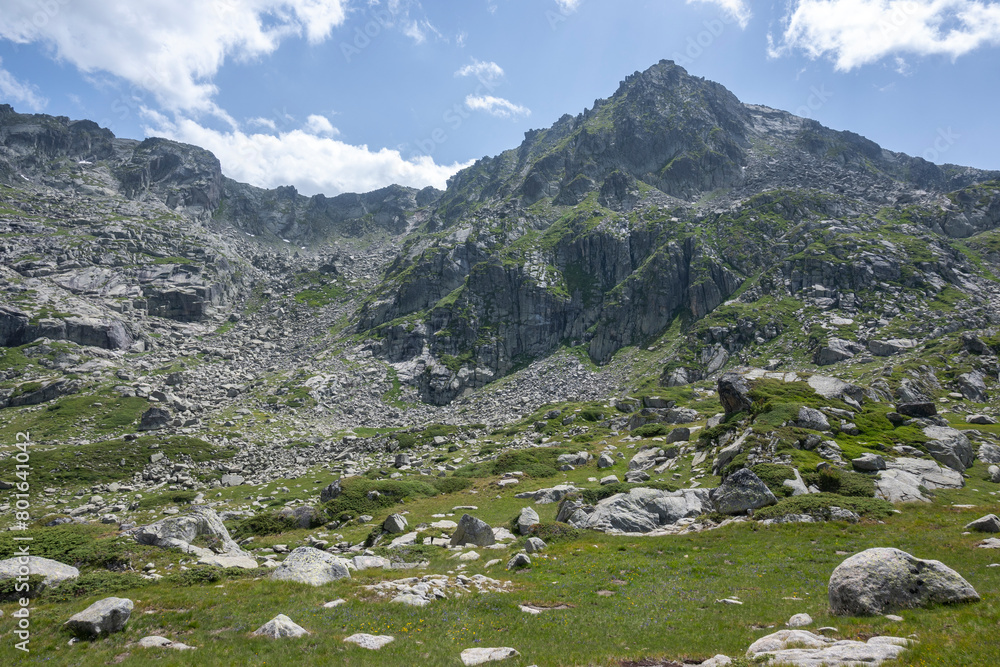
(640,510)
(17,328)
(202,525)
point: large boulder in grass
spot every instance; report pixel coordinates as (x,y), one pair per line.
(638,511)
(527,519)
(742,491)
(102,618)
(200,525)
(52,572)
(878,581)
(308,565)
(473,531)
(950,447)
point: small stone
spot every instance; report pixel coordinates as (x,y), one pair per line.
(799,621)
(479,656)
(370,642)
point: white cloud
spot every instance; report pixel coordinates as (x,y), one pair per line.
(321,125)
(496,106)
(263,122)
(170,48)
(18,92)
(858,32)
(483,71)
(569,6)
(739,10)
(311,162)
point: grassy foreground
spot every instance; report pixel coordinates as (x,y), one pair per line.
(628,597)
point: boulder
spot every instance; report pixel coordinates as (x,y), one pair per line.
(972,387)
(331,491)
(805,649)
(308,565)
(155,641)
(395,524)
(644,459)
(536,544)
(989,454)
(742,491)
(812,418)
(52,571)
(154,419)
(679,434)
(479,656)
(472,531)
(202,524)
(578,459)
(402,460)
(370,642)
(526,520)
(734,393)
(981,420)
(102,618)
(306,516)
(888,348)
(971,343)
(923,409)
(987,524)
(868,462)
(994,472)
(950,447)
(518,561)
(639,511)
(681,416)
(605,461)
(280,627)
(882,580)
(836,350)
(231,479)
(549,496)
(799,621)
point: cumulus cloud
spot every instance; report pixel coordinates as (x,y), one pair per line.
(738,10)
(170,48)
(307,158)
(19,93)
(857,32)
(321,125)
(568,6)
(484,71)
(496,106)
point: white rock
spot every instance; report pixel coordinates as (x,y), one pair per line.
(479,656)
(370,642)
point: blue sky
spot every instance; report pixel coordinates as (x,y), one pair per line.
(351,95)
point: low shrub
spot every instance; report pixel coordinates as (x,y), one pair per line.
(263,524)
(356,496)
(651,430)
(535,463)
(773,475)
(450,484)
(554,531)
(819,504)
(99,582)
(841,482)
(10,590)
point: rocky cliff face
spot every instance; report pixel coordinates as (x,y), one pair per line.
(669,205)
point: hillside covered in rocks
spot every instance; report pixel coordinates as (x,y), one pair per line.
(675,358)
